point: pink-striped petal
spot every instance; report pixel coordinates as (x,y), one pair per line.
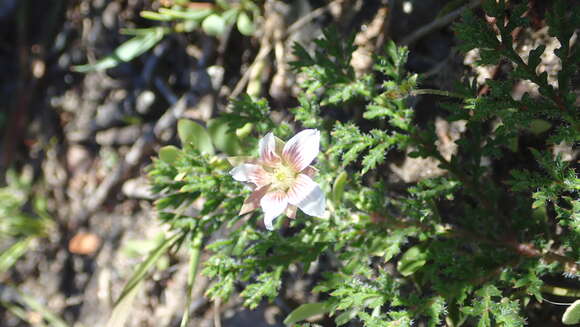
(310,171)
(268,153)
(308,196)
(253,201)
(251,173)
(273,203)
(301,149)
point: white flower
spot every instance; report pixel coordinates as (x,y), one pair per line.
(281,178)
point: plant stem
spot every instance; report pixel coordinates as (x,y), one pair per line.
(522,249)
(560,291)
(438,92)
(194,257)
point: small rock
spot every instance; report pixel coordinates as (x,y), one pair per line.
(138,188)
(144,101)
(84,243)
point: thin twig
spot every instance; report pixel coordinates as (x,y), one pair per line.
(263,53)
(309,17)
(266,48)
(438,23)
(137,151)
(438,92)
(216,313)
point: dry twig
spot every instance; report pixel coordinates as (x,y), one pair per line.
(438,23)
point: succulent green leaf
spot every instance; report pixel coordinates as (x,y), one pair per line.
(223,138)
(245,24)
(572,314)
(214,25)
(169,153)
(194,134)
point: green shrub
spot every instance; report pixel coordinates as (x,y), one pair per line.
(470,246)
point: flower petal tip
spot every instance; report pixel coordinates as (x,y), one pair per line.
(302,149)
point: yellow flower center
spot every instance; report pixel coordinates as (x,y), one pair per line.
(283,177)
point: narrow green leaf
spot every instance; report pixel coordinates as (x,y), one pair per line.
(141,31)
(338,186)
(16,310)
(306,311)
(9,256)
(196,15)
(144,267)
(194,256)
(127,51)
(152,15)
(123,308)
(49,316)
(193,133)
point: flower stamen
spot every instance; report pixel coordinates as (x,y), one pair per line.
(283,177)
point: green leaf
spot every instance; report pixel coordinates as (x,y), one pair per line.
(412,260)
(345,317)
(9,257)
(152,15)
(169,154)
(52,319)
(194,134)
(194,256)
(338,186)
(306,311)
(244,131)
(144,267)
(196,15)
(245,24)
(223,138)
(572,314)
(126,52)
(214,25)
(534,58)
(229,16)
(539,126)
(123,308)
(139,31)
